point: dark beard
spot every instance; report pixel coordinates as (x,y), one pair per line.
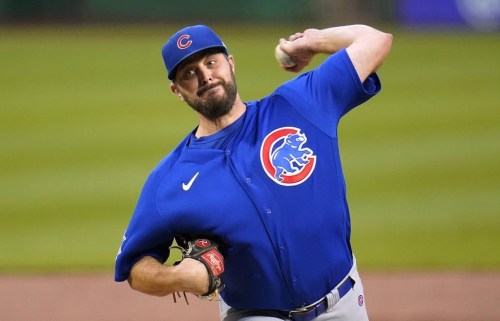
(214,107)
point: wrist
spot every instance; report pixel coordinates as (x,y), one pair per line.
(191,276)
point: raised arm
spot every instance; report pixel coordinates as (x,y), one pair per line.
(366,46)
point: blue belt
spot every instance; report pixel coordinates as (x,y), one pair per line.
(314,310)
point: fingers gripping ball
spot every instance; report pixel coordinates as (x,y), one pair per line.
(283,58)
(206,251)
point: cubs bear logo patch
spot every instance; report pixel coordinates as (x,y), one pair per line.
(285,159)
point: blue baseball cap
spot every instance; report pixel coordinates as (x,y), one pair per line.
(185,43)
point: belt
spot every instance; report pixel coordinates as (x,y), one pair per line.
(312,311)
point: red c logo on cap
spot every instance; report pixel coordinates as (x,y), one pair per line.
(182,43)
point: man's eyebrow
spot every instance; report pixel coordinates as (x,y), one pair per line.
(196,57)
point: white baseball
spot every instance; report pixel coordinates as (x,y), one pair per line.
(283,58)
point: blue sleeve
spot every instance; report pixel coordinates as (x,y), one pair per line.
(328,92)
(146,234)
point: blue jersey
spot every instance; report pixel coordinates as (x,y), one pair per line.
(270,186)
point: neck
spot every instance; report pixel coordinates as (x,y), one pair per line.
(208,127)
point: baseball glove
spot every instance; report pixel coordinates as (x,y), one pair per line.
(207,251)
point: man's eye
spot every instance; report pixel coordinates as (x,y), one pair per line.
(211,62)
(189,73)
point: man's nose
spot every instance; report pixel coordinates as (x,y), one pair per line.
(205,76)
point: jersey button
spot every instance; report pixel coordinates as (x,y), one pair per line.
(228,152)
(248,180)
(268,211)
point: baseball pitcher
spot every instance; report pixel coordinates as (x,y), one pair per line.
(254,194)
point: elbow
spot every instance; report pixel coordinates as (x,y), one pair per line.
(134,285)
(384,45)
(387,43)
(383,49)
(131,283)
(378,38)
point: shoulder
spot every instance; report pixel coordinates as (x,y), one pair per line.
(169,161)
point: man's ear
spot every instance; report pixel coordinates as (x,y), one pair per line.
(230,58)
(175,90)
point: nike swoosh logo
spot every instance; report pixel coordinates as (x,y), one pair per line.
(187,186)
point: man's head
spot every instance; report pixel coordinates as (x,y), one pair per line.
(201,71)
(187,42)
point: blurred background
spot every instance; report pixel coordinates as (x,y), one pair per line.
(464,14)
(86,113)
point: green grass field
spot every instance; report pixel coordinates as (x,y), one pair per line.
(86,112)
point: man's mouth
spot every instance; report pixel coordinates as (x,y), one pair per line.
(206,88)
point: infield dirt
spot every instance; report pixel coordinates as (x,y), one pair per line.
(429,296)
